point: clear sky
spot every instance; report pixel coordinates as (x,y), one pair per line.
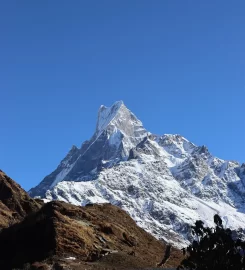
(178,65)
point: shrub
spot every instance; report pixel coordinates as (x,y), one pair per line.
(213,248)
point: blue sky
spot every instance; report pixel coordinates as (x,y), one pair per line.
(178,65)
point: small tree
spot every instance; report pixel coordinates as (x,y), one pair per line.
(213,248)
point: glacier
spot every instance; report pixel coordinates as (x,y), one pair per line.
(165,182)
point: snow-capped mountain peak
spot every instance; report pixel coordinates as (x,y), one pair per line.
(164,182)
(117,131)
(106,115)
(118,118)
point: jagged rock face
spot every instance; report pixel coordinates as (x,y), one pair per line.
(61,230)
(15,203)
(164,182)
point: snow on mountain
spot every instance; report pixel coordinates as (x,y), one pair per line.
(164,182)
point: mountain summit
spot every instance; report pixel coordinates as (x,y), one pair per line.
(117,132)
(165,182)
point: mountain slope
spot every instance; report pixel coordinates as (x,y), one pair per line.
(15,203)
(81,237)
(164,182)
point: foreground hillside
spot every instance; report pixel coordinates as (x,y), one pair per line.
(15,203)
(58,234)
(165,183)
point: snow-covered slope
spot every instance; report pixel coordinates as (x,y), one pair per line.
(164,182)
